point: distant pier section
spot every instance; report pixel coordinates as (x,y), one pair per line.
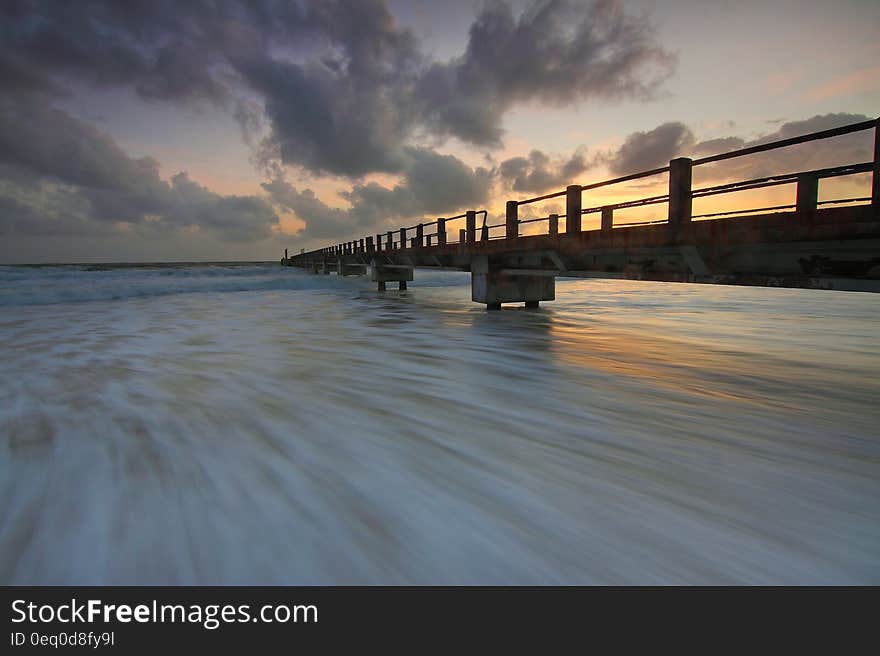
(810,243)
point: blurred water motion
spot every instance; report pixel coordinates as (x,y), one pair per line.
(257,425)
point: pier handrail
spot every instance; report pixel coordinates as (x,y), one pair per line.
(679,197)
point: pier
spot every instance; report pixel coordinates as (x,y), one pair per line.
(808,243)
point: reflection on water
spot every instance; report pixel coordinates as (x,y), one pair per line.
(258,425)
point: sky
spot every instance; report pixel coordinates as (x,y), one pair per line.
(233,129)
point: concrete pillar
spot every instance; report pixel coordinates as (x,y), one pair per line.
(441,232)
(512,220)
(383,273)
(607,219)
(573,195)
(471,223)
(554,225)
(494,283)
(420,235)
(352,269)
(680,199)
(807,192)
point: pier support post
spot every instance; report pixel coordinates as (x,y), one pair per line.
(441,232)
(680,199)
(807,193)
(403,237)
(420,235)
(607,220)
(573,195)
(389,242)
(875,183)
(370,249)
(512,220)
(554,225)
(471,224)
(494,281)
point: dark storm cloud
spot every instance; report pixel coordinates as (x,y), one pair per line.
(649,150)
(540,172)
(343,86)
(556,52)
(432,185)
(60,175)
(335,87)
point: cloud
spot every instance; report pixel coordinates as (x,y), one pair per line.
(432,184)
(344,89)
(539,172)
(866,79)
(59,175)
(846,149)
(556,52)
(649,150)
(652,149)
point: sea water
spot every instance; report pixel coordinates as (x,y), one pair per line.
(254,424)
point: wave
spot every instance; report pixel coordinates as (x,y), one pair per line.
(46,285)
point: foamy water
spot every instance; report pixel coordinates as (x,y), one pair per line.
(259,425)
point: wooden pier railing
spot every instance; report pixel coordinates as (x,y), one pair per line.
(679,197)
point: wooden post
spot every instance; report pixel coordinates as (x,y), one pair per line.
(807,192)
(471,223)
(875,184)
(573,195)
(420,235)
(607,219)
(441,232)
(554,224)
(379,242)
(680,199)
(512,219)
(462,236)
(403,237)
(362,249)
(369,244)
(389,243)
(430,237)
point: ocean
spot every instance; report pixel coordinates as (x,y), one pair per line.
(255,424)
